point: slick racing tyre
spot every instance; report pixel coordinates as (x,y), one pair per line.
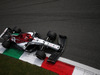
(52,36)
(17,30)
(6,44)
(41,55)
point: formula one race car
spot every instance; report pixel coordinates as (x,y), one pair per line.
(30,41)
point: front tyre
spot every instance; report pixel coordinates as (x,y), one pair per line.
(52,35)
(41,55)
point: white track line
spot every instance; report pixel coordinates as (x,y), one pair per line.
(77,64)
(31,58)
(68,61)
(2,49)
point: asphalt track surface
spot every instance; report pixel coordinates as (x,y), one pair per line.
(79,20)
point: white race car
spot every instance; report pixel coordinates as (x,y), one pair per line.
(31,41)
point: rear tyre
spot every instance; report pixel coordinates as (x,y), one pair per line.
(41,55)
(6,44)
(17,30)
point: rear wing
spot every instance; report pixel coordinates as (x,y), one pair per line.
(3,32)
(6,32)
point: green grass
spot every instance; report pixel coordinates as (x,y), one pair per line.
(12,66)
